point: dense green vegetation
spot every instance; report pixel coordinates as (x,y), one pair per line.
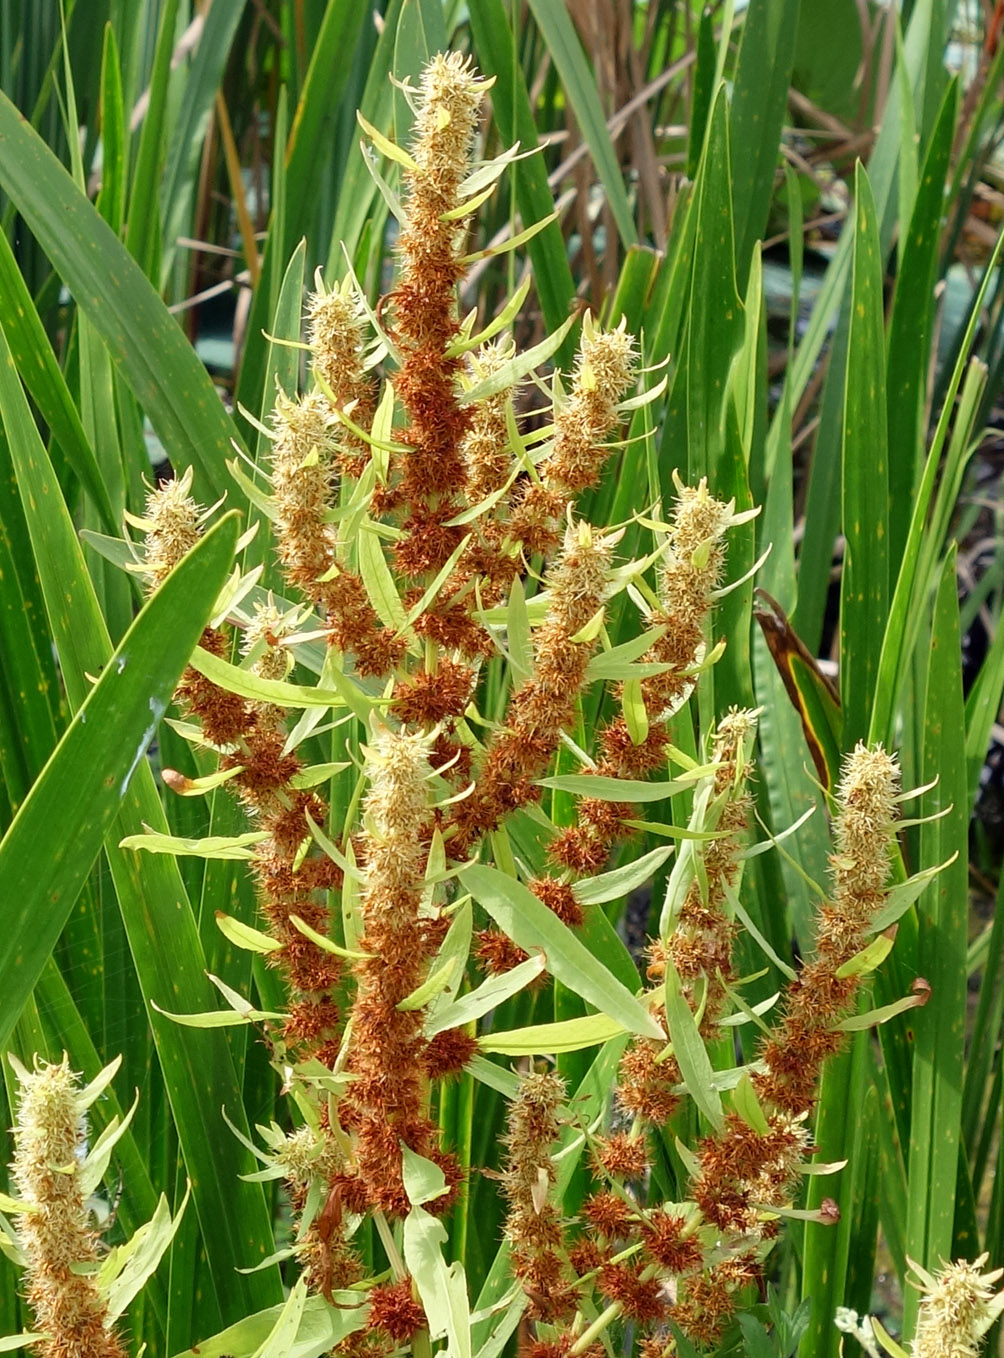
(512,904)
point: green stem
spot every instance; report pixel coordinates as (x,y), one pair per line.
(393,1255)
(595,1329)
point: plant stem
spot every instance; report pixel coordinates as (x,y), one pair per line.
(595,1329)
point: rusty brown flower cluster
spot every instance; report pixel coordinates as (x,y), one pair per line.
(410,523)
(250,738)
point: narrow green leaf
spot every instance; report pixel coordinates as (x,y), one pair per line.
(423,1179)
(531,925)
(213,846)
(55,837)
(911,323)
(249,685)
(620,882)
(111,199)
(756,116)
(442,1287)
(188,136)
(870,957)
(159,364)
(545,1039)
(747,1105)
(690,1052)
(488,996)
(379,581)
(126,1269)
(555,24)
(37,364)
(161,931)
(242,935)
(434,984)
(386,147)
(939,1027)
(615,789)
(518,634)
(143,225)
(864,594)
(321,1328)
(617,663)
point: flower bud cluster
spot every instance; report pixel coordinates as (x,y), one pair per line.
(53,1231)
(692,570)
(544,704)
(534,1226)
(815,1003)
(956,1310)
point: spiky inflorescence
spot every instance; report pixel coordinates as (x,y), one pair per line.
(309,1160)
(744,1173)
(604,369)
(385,1103)
(485,446)
(425,306)
(173,525)
(699,941)
(534,1227)
(956,1310)
(289,881)
(545,704)
(304,452)
(337,342)
(692,571)
(817,1001)
(58,1244)
(699,944)
(492,557)
(253,737)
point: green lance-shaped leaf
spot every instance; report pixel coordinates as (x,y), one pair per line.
(108,285)
(691,1053)
(939,1050)
(864,594)
(530,925)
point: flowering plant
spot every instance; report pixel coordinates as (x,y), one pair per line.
(434,606)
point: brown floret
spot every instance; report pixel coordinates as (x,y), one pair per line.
(559,897)
(646,1087)
(665,1241)
(607,1213)
(425,699)
(642,1299)
(447,1053)
(578,849)
(496,953)
(394,1310)
(623,1155)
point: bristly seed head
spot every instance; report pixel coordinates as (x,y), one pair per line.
(174,525)
(957,1309)
(262,637)
(450,95)
(54,1232)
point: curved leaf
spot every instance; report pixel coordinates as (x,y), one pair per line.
(159,364)
(530,925)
